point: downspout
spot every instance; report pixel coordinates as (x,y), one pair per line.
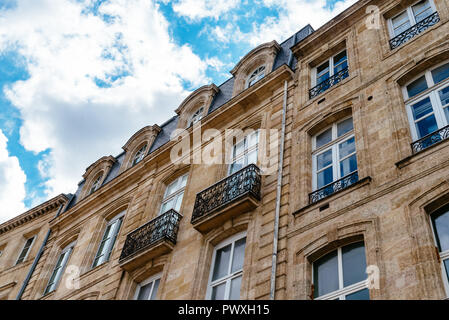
(36,259)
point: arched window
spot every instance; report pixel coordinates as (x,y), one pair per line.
(96,184)
(440,224)
(140,155)
(340,274)
(257,74)
(197,116)
(227,269)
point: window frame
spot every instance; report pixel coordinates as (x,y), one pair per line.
(114,234)
(246,151)
(255,73)
(33,239)
(139,153)
(410,16)
(333,144)
(432,93)
(198,115)
(343,291)
(330,60)
(230,276)
(175,194)
(442,255)
(96,183)
(149,280)
(53,286)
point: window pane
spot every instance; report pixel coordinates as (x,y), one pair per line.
(252,139)
(346,147)
(444,96)
(441,73)
(400,23)
(417,86)
(218,292)
(324,159)
(237,165)
(235,288)
(324,138)
(239,148)
(340,62)
(239,254)
(426,126)
(154,293)
(422,10)
(221,262)
(344,126)
(348,165)
(179,197)
(252,157)
(354,263)
(167,206)
(322,72)
(144,291)
(441,223)
(325,274)
(325,177)
(359,295)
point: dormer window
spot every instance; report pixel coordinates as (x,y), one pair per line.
(96,184)
(197,116)
(140,155)
(257,74)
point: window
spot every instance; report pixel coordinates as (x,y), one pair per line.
(334,153)
(147,290)
(257,74)
(427,102)
(411,16)
(244,152)
(440,224)
(227,268)
(96,183)
(59,269)
(108,240)
(197,116)
(340,275)
(140,155)
(331,67)
(173,195)
(26,249)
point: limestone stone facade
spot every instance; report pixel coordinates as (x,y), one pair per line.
(387,205)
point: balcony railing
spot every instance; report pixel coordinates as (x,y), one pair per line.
(414,30)
(430,139)
(163,227)
(243,183)
(326,84)
(332,188)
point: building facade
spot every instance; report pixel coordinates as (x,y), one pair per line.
(332,181)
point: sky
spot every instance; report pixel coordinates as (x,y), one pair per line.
(79,77)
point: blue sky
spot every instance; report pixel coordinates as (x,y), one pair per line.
(79,77)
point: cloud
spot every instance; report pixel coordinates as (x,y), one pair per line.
(199,9)
(12,183)
(95,78)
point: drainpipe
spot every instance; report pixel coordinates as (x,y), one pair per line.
(278,200)
(36,259)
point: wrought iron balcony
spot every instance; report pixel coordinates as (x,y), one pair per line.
(326,84)
(332,188)
(154,238)
(430,139)
(227,198)
(414,30)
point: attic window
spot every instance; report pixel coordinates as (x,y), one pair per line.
(257,74)
(140,155)
(96,184)
(197,116)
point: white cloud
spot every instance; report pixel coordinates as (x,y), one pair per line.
(12,183)
(199,9)
(67,50)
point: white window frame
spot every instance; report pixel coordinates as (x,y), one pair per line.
(230,276)
(255,74)
(432,93)
(59,275)
(411,17)
(246,151)
(140,154)
(96,183)
(443,256)
(177,193)
(28,251)
(114,234)
(331,66)
(196,116)
(343,291)
(333,144)
(151,279)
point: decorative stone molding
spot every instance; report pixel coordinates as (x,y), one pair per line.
(103,165)
(262,55)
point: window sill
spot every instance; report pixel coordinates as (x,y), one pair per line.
(421,154)
(352,187)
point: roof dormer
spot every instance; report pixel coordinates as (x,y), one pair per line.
(254,66)
(95,174)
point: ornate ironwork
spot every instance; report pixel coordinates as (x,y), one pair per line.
(163,227)
(329,82)
(244,182)
(338,185)
(430,139)
(414,30)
